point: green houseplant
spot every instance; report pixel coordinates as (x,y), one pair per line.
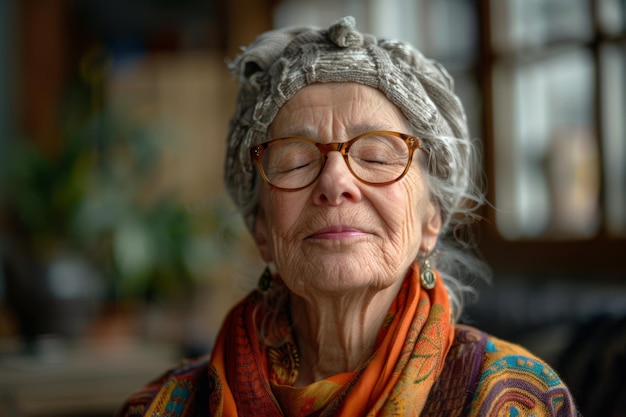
(92,203)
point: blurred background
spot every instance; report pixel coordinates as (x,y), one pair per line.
(120,252)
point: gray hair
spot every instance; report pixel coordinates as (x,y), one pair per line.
(281,62)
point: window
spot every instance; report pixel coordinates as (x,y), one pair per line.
(556,91)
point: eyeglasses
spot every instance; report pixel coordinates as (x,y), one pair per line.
(375,158)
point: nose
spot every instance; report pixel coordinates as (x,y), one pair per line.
(336,184)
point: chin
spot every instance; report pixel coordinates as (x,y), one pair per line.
(338,279)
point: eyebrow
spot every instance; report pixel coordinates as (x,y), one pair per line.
(354,130)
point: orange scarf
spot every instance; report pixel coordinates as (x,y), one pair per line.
(409,357)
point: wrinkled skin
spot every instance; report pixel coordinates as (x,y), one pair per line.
(342,247)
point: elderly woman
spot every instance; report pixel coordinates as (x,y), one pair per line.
(350,161)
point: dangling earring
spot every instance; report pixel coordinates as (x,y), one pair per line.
(427,275)
(265,282)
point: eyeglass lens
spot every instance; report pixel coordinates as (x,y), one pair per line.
(294,163)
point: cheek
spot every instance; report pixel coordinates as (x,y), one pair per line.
(282,211)
(405,213)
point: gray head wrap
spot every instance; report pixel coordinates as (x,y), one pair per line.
(281,62)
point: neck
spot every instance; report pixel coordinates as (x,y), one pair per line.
(337,334)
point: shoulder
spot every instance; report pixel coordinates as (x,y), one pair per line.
(180,385)
(513,381)
(453,390)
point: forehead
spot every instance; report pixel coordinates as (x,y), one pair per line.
(337,109)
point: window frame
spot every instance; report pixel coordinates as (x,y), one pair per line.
(601,256)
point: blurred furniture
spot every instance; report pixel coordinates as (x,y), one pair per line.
(85,379)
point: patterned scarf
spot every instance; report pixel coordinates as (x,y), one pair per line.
(247,378)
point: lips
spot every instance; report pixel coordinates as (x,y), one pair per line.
(337,232)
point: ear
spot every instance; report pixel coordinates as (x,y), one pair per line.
(261,237)
(431,226)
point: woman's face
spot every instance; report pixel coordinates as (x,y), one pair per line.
(338,234)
